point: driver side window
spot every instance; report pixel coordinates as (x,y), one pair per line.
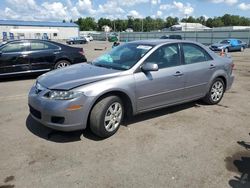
(165,56)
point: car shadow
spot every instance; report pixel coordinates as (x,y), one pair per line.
(163,112)
(58,136)
(240,162)
(62,137)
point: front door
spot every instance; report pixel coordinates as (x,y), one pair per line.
(165,86)
(14,58)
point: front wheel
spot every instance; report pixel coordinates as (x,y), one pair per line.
(216,92)
(106,116)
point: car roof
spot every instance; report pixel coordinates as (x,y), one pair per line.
(38,40)
(155,42)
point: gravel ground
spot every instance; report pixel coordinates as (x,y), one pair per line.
(190,145)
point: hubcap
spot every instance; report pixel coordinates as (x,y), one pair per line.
(62,64)
(217,91)
(113,117)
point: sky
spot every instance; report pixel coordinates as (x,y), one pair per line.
(58,10)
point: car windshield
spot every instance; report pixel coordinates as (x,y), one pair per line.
(122,57)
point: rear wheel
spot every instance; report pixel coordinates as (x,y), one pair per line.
(62,64)
(106,116)
(216,92)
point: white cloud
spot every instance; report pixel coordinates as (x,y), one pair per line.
(130,3)
(182,8)
(244,6)
(55,10)
(111,7)
(85,6)
(159,13)
(134,14)
(155,2)
(228,2)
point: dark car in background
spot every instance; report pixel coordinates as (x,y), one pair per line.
(77,40)
(113,37)
(29,56)
(229,45)
(178,37)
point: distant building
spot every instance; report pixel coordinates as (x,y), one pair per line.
(37,30)
(182,26)
(230,28)
(106,28)
(129,30)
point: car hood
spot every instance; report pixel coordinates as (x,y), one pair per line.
(75,75)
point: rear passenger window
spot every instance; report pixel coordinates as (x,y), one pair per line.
(165,56)
(195,54)
(41,46)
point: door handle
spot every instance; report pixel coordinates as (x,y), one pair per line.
(178,73)
(212,66)
(24,55)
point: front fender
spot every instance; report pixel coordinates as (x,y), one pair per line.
(124,84)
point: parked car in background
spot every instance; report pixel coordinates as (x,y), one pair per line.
(179,37)
(229,45)
(132,78)
(88,38)
(113,37)
(77,40)
(29,56)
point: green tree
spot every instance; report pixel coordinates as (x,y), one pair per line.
(170,21)
(103,21)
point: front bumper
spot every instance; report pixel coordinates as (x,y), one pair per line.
(54,113)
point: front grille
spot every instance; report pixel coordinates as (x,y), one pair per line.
(35,112)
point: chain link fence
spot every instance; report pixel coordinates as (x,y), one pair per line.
(204,37)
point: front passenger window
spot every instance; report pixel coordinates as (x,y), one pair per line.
(15,47)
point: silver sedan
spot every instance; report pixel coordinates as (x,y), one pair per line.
(130,79)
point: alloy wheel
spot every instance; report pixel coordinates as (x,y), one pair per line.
(217,91)
(113,116)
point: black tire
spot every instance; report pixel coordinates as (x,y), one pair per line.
(62,64)
(102,110)
(212,97)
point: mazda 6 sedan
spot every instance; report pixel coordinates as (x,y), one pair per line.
(132,78)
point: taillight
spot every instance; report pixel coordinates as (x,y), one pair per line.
(81,51)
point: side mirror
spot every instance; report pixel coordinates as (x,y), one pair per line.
(149,67)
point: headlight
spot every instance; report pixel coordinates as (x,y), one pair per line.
(63,95)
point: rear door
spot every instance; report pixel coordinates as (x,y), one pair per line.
(165,86)
(199,68)
(42,55)
(14,58)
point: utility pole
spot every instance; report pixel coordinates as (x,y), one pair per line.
(142,25)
